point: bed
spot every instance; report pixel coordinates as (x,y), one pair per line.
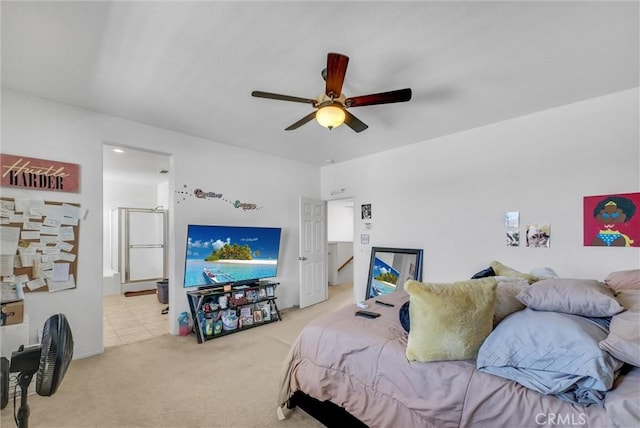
(357,368)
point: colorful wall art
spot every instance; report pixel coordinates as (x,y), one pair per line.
(612,220)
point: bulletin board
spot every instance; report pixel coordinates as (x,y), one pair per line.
(39,244)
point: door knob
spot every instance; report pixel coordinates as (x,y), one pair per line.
(302,258)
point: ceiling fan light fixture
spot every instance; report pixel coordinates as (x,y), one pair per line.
(331,106)
(330,116)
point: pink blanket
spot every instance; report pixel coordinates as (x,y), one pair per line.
(360,365)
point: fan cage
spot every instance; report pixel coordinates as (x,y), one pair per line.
(55,356)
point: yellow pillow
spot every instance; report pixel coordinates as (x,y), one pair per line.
(502,270)
(449,321)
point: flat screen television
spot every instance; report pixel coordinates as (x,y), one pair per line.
(221,255)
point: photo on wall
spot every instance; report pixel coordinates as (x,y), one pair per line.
(366,211)
(538,235)
(611,220)
(512,238)
(512,219)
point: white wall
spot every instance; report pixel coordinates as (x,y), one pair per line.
(163,195)
(38,128)
(340,220)
(34,128)
(450,193)
(249,177)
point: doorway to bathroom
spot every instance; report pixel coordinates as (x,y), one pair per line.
(135,211)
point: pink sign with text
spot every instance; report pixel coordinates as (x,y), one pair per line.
(39,174)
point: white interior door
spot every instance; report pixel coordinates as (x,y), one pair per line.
(313,252)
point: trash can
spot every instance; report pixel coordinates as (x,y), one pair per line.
(163,291)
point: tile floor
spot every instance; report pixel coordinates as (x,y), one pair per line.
(131,319)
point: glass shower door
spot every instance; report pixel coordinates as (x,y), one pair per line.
(145,237)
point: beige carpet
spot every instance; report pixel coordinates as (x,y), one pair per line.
(172,381)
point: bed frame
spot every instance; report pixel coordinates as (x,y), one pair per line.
(325,412)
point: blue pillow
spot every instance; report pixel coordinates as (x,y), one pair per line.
(552,353)
(404,316)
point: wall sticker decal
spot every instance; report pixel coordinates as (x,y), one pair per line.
(198,193)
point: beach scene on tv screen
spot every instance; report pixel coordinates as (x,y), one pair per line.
(384,278)
(220,254)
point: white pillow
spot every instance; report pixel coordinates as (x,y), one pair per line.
(544,272)
(585,297)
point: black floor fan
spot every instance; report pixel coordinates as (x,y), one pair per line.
(48,361)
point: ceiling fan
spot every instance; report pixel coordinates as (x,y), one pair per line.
(332,105)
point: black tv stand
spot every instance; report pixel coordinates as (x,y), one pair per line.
(216,312)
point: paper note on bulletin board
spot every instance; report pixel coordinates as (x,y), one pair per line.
(39,249)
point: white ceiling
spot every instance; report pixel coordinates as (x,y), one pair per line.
(191,66)
(128,165)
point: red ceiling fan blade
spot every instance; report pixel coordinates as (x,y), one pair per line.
(354,123)
(270,95)
(336,70)
(302,121)
(396,96)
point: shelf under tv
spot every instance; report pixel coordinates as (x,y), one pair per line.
(215,310)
